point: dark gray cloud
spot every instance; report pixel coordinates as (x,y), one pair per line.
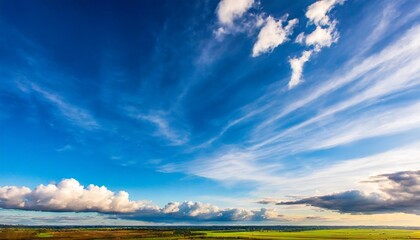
(398,192)
(267,201)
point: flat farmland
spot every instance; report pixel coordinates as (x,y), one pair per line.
(114,233)
(319,234)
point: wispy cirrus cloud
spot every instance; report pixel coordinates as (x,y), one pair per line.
(233,166)
(347,174)
(233,119)
(397,75)
(383,123)
(363,85)
(270,179)
(164,129)
(392,54)
(71,113)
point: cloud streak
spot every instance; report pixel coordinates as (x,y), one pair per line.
(73,114)
(164,129)
(400,59)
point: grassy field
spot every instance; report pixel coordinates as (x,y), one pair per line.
(321,234)
(111,233)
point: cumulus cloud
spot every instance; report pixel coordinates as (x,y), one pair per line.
(397,192)
(272,34)
(196,211)
(317,12)
(297,67)
(70,196)
(230,10)
(324,35)
(321,37)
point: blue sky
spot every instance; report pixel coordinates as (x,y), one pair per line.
(214,112)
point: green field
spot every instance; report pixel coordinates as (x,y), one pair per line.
(321,234)
(111,233)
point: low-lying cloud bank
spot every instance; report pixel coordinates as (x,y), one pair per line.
(70,196)
(195,212)
(397,192)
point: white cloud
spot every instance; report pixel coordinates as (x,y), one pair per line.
(317,12)
(324,35)
(297,67)
(321,37)
(231,167)
(230,10)
(12,197)
(397,75)
(272,35)
(70,196)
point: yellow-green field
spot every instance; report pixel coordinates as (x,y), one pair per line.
(110,233)
(321,234)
